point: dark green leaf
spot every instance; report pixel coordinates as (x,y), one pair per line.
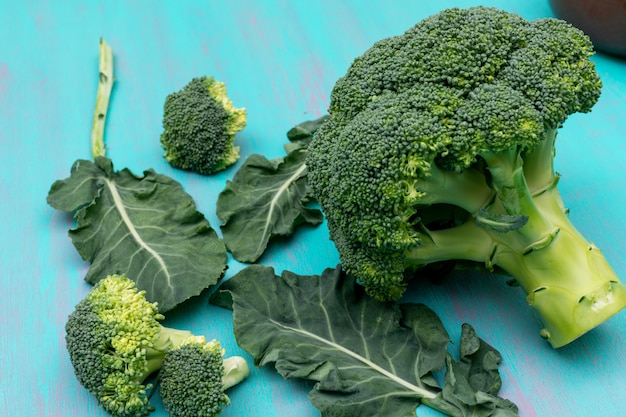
(301,134)
(146,227)
(81,188)
(367,358)
(428,329)
(479,362)
(266,198)
(473,382)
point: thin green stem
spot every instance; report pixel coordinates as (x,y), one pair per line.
(513,194)
(467,242)
(467,190)
(105,86)
(167,339)
(539,165)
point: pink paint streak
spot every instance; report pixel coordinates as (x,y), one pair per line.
(516,394)
(4,77)
(5,82)
(312,87)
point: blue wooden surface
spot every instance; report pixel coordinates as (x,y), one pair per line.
(280,60)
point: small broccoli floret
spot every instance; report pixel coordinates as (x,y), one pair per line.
(115,342)
(194,377)
(439,150)
(199,127)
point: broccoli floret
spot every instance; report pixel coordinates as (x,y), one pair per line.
(439,151)
(115,342)
(194,377)
(199,127)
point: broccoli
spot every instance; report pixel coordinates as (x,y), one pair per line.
(199,127)
(116,342)
(438,153)
(195,375)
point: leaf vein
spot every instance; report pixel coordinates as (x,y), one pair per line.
(422,392)
(274,200)
(119,204)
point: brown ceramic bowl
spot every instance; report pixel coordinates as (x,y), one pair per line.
(604,21)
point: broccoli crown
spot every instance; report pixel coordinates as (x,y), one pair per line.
(115,342)
(191,380)
(107,336)
(448,96)
(199,127)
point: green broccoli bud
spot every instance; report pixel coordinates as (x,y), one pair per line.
(116,342)
(194,377)
(199,127)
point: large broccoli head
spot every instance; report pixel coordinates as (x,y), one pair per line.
(440,141)
(199,127)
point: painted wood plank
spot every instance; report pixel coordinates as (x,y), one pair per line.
(280,60)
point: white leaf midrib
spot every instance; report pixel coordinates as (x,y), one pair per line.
(273,202)
(121,209)
(421,392)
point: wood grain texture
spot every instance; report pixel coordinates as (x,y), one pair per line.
(280,60)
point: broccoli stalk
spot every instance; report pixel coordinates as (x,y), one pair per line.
(567,279)
(440,148)
(235,370)
(116,342)
(105,86)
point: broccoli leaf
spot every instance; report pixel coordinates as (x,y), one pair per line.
(146,227)
(266,198)
(366,357)
(474,381)
(300,135)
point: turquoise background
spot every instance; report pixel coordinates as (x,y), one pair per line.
(280,60)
